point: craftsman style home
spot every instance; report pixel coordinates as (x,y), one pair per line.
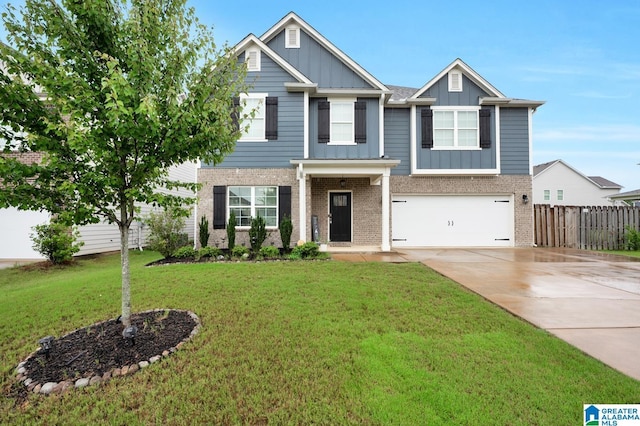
(358,163)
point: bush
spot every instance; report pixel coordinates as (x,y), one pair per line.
(633,239)
(231,231)
(270,252)
(56,242)
(185,252)
(286,229)
(308,250)
(257,233)
(203,232)
(240,251)
(205,252)
(166,234)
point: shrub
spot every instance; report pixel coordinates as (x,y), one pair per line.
(56,242)
(633,238)
(185,252)
(286,229)
(270,252)
(308,250)
(231,231)
(203,232)
(257,233)
(166,234)
(239,251)
(209,252)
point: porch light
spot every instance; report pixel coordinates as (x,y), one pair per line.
(129,334)
(525,198)
(46,343)
(343,183)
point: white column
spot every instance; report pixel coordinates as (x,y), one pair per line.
(386,201)
(302,211)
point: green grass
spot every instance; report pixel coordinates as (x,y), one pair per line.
(304,342)
(624,252)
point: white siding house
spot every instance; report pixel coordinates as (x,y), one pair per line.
(557,183)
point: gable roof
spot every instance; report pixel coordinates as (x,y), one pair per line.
(291,17)
(598,181)
(628,196)
(468,72)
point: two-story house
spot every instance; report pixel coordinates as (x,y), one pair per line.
(357,163)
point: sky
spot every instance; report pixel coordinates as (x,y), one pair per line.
(581,57)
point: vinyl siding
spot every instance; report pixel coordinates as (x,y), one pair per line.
(317,63)
(514,142)
(469,96)
(397,139)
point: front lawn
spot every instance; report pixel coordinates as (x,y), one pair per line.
(303,342)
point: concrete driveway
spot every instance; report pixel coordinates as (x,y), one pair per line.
(589,299)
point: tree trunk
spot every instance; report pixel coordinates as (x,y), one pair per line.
(124,261)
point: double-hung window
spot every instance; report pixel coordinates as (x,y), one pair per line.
(455,128)
(342,121)
(256,125)
(247,202)
(546,195)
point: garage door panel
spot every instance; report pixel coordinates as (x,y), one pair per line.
(452,221)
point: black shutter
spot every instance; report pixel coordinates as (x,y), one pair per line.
(235,114)
(284,202)
(323,122)
(426,123)
(485,128)
(219,207)
(271,131)
(361,122)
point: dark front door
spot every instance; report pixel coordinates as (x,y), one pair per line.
(340,216)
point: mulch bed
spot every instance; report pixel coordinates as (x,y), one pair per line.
(100,349)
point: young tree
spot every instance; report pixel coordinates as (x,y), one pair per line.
(112,93)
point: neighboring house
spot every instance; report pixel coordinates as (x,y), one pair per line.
(631,198)
(558,183)
(378,166)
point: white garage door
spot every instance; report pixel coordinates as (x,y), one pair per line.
(452,221)
(15,227)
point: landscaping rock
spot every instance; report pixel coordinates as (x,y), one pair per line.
(95,380)
(154,359)
(80,383)
(143,364)
(48,387)
(133,368)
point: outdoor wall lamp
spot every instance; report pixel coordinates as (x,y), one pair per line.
(343,183)
(46,343)
(525,198)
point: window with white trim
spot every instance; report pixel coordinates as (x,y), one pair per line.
(547,195)
(256,124)
(292,37)
(247,202)
(455,81)
(457,128)
(560,195)
(253,59)
(342,121)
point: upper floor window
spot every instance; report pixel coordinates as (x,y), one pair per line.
(253,59)
(247,202)
(560,195)
(342,121)
(455,81)
(547,195)
(255,126)
(455,128)
(342,115)
(292,37)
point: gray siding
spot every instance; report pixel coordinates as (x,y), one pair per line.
(469,96)
(456,159)
(290,142)
(371,149)
(397,142)
(514,147)
(318,64)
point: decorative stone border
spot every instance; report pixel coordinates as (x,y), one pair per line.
(126,370)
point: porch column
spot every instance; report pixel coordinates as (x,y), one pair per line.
(386,201)
(302,211)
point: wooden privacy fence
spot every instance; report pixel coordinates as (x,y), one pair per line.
(591,228)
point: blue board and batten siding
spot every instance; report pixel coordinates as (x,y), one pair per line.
(318,64)
(368,150)
(397,138)
(290,143)
(470,94)
(514,146)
